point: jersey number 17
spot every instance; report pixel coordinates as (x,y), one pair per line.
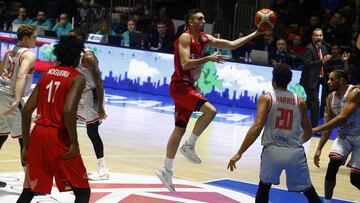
(52,87)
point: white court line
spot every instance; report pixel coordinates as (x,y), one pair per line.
(130,156)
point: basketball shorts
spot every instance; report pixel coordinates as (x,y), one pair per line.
(10,124)
(88,109)
(343,146)
(47,145)
(276,159)
(187,99)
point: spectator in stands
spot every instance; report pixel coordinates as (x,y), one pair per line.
(105,30)
(162,40)
(279,55)
(86,16)
(239,53)
(63,27)
(22,17)
(265,44)
(131,27)
(329,6)
(335,51)
(336,61)
(296,46)
(282,10)
(163,16)
(41,20)
(316,56)
(338,31)
(314,22)
(356,16)
(354,62)
(210,50)
(5,17)
(181,29)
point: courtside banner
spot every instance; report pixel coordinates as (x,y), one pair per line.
(229,83)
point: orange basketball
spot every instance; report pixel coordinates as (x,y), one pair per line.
(265,19)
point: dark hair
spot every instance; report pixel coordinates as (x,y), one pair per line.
(68,51)
(282,75)
(25,31)
(340,73)
(190,13)
(79,33)
(316,30)
(161,22)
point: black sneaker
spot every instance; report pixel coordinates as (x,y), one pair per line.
(2,184)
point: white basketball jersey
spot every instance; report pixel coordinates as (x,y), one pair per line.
(352,124)
(11,70)
(90,84)
(283,123)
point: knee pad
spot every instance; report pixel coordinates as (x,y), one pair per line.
(355,179)
(332,169)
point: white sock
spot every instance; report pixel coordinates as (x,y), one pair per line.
(169,164)
(101,163)
(192,139)
(327,201)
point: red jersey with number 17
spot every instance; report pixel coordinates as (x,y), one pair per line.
(197,47)
(52,92)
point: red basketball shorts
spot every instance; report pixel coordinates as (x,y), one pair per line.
(187,99)
(47,145)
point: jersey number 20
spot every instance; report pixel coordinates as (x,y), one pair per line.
(284,119)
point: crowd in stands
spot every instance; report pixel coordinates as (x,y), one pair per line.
(295,38)
(339,20)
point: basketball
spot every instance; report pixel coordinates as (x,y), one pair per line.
(265,19)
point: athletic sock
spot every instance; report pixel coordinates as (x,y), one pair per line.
(101,163)
(192,139)
(169,164)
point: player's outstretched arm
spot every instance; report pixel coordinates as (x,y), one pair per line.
(325,135)
(28,110)
(91,62)
(185,59)
(352,103)
(70,109)
(254,131)
(223,43)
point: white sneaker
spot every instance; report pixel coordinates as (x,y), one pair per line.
(101,174)
(189,152)
(166,178)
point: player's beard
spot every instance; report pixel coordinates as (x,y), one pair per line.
(202,28)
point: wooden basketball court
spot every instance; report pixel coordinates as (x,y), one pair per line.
(135,140)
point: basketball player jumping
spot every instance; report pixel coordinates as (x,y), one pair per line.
(343,110)
(91,106)
(188,58)
(52,150)
(16,73)
(282,114)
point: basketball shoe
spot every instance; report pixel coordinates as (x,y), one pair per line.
(189,152)
(166,178)
(101,174)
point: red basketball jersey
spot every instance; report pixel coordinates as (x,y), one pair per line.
(197,47)
(52,92)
